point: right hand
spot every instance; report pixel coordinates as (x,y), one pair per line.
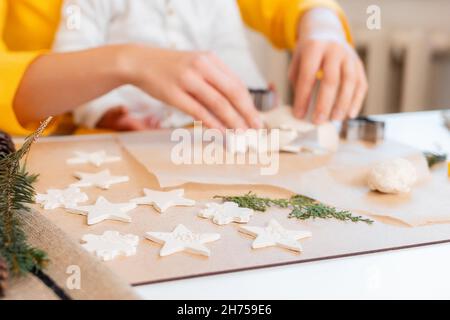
(198,83)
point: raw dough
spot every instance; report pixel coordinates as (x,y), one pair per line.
(259,141)
(102,179)
(311,137)
(55,198)
(225,213)
(96,158)
(105,210)
(111,244)
(275,235)
(182,239)
(392,176)
(163,200)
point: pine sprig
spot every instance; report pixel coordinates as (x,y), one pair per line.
(16,193)
(434,158)
(302,208)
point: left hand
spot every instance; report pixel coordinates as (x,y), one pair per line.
(322,46)
(119,119)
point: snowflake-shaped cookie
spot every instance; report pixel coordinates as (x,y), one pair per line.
(225,213)
(55,198)
(111,244)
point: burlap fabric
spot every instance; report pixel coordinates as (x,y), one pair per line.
(96,281)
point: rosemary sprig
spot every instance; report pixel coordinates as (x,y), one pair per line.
(302,208)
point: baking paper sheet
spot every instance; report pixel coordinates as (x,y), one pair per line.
(331,239)
(338,179)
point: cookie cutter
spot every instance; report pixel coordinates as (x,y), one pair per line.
(363,128)
(264,99)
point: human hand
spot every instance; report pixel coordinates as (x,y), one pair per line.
(119,119)
(198,83)
(322,46)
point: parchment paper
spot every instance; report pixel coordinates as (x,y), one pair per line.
(338,179)
(331,239)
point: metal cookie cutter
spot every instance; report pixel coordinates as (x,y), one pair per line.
(264,99)
(363,128)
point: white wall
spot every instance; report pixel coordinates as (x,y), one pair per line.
(428,17)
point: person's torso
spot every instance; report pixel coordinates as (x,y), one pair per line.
(172,24)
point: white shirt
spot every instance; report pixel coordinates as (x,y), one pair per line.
(205,25)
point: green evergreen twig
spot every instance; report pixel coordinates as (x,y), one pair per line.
(434,158)
(302,207)
(16,193)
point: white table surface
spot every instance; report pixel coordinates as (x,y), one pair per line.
(418,273)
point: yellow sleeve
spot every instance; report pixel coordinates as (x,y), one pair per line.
(278,19)
(12,67)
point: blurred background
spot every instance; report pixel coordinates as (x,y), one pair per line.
(407,59)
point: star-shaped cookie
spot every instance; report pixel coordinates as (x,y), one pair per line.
(226,213)
(96,158)
(182,239)
(163,200)
(111,244)
(102,179)
(105,210)
(275,235)
(55,198)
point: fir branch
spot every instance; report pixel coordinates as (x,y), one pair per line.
(302,208)
(434,158)
(16,193)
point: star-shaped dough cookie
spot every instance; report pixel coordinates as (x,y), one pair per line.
(182,239)
(105,210)
(275,235)
(96,158)
(102,179)
(225,213)
(55,198)
(111,244)
(163,200)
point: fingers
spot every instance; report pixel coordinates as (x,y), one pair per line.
(360,91)
(304,77)
(111,117)
(234,94)
(212,100)
(191,106)
(128,123)
(349,77)
(328,87)
(343,87)
(152,122)
(119,119)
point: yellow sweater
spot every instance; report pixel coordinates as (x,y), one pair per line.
(27,28)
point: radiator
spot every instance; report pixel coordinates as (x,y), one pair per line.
(413,51)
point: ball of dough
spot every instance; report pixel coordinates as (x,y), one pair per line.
(392,176)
